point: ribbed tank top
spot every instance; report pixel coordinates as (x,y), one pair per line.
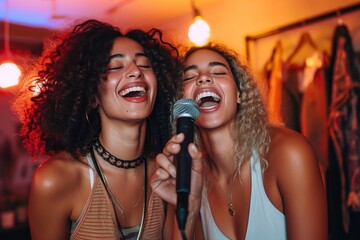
(98,221)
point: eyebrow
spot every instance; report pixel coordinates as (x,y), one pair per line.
(190,68)
(211,64)
(119,55)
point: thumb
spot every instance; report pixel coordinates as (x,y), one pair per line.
(196,155)
(196,178)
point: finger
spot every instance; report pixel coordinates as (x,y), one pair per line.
(159,177)
(163,185)
(173,145)
(196,177)
(196,155)
(166,165)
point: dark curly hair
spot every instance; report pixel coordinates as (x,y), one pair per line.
(61,114)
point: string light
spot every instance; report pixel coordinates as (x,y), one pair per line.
(199,30)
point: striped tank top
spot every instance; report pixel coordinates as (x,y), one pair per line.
(98,220)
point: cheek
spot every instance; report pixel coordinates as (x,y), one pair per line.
(152,78)
(187,90)
(112,79)
(107,87)
(229,88)
(154,86)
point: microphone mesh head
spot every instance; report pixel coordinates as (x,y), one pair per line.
(186,107)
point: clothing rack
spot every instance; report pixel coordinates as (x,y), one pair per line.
(300,23)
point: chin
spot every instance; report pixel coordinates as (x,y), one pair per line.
(208,124)
(137,117)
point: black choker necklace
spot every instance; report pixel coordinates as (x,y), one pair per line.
(116,161)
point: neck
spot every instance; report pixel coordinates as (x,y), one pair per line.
(125,142)
(219,148)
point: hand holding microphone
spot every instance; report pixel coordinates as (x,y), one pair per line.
(185,112)
(173,186)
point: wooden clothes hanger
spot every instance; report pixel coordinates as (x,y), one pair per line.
(269,63)
(339,21)
(305,40)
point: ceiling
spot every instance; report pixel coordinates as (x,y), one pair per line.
(55,14)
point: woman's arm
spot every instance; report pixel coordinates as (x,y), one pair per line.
(50,202)
(300,186)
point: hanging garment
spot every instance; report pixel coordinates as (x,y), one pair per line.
(344,123)
(273,73)
(298,73)
(314,112)
(299,91)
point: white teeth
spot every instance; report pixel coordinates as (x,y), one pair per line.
(202,107)
(207,94)
(132,89)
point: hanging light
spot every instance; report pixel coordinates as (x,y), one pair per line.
(199,30)
(9,71)
(9,74)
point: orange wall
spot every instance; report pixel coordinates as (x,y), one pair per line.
(232,20)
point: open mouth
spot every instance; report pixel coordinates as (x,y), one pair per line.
(207,100)
(133,92)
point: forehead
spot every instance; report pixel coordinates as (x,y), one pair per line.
(126,46)
(204,57)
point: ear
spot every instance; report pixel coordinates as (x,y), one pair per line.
(238,97)
(95,103)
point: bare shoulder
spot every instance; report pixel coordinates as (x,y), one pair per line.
(291,158)
(57,176)
(295,184)
(289,147)
(286,138)
(58,192)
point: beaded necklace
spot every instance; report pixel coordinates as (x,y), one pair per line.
(104,154)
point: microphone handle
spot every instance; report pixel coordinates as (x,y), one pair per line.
(183,169)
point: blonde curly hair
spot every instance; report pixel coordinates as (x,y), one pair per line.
(252,134)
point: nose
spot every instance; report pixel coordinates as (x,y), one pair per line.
(204,79)
(133,72)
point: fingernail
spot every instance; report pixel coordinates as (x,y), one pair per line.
(194,148)
(159,173)
(173,171)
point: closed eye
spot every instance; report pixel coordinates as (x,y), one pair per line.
(115,68)
(188,78)
(144,66)
(219,73)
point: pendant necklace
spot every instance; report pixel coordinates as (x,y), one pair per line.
(231,209)
(117,203)
(112,197)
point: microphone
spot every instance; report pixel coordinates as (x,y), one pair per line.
(185,111)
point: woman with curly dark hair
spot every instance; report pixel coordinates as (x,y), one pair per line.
(258,180)
(99,109)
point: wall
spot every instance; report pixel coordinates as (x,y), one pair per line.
(232,20)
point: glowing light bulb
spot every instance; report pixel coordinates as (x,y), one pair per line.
(9,74)
(199,31)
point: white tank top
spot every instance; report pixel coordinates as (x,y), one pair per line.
(265,220)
